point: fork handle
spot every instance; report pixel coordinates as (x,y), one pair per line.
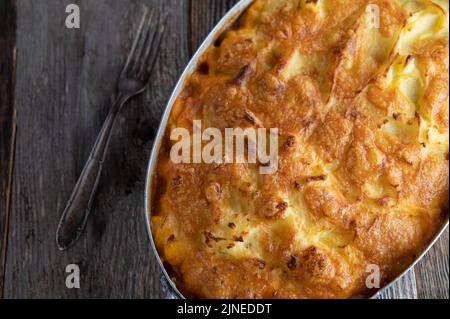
(75,215)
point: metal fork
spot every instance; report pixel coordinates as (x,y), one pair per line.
(133,80)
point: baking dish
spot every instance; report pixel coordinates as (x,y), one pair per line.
(169,287)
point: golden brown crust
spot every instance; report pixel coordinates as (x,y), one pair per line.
(363,169)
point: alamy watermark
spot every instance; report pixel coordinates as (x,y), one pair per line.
(373,16)
(73,19)
(373,279)
(73,279)
(210,146)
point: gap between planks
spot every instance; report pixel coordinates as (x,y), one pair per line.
(7,124)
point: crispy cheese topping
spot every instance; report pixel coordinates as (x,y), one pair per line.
(363,116)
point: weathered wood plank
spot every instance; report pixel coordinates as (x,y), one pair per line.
(7,121)
(65,82)
(405,288)
(432,272)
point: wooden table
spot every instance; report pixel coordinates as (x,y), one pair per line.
(48,122)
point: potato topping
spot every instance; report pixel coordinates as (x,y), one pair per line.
(362,107)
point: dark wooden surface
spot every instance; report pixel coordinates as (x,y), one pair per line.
(7,121)
(64,85)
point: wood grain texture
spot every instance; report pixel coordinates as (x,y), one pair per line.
(65,81)
(7,121)
(404,288)
(432,272)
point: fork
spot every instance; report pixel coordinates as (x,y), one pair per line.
(133,81)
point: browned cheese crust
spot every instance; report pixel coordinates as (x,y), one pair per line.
(363,122)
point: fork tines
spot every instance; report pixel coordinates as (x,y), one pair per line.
(143,54)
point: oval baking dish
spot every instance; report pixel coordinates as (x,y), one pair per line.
(231,17)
